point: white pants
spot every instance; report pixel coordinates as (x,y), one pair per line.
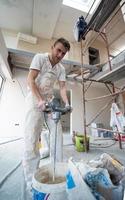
(34,120)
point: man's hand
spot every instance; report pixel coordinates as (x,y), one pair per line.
(41,105)
(68,107)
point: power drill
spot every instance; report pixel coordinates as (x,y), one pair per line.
(55,108)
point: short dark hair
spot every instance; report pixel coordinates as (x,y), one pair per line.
(63,41)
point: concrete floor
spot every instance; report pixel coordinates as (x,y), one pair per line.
(13,186)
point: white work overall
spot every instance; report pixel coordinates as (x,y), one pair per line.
(34,120)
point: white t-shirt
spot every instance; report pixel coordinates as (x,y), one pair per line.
(48,74)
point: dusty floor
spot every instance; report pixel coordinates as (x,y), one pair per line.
(12,183)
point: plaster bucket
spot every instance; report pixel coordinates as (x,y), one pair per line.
(80,143)
(43,187)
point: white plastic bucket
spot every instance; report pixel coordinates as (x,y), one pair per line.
(42,190)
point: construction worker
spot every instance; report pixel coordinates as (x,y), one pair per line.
(45,69)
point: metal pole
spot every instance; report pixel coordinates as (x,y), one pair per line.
(108,95)
(99,81)
(88,86)
(84,106)
(108,88)
(104,129)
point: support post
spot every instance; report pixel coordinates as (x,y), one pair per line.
(83,97)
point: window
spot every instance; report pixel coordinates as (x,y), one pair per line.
(94,57)
(83,5)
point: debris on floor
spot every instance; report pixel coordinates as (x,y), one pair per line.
(102,179)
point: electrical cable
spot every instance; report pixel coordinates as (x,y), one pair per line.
(93,145)
(101,146)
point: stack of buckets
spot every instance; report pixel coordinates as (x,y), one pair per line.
(80,143)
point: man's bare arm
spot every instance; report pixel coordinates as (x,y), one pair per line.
(31,83)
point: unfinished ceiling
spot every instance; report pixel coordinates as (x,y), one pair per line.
(52,19)
(42,18)
(22,60)
(102,13)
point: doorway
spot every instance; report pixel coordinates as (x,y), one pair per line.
(65,119)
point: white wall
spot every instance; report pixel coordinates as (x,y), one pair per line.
(12,105)
(3,58)
(91,107)
(120,100)
(44,45)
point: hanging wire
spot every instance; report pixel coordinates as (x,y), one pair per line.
(98,145)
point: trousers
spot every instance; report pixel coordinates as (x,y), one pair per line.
(33,123)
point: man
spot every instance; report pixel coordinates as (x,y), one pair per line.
(80,28)
(45,69)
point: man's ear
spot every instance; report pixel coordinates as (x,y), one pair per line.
(52,47)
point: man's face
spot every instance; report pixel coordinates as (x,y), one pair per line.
(58,52)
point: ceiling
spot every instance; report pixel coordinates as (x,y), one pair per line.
(42,18)
(51,19)
(104,10)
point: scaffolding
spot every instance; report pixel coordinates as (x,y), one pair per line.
(113,96)
(113,93)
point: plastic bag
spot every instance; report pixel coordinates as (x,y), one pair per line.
(99,181)
(114,167)
(117,118)
(76,186)
(96,179)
